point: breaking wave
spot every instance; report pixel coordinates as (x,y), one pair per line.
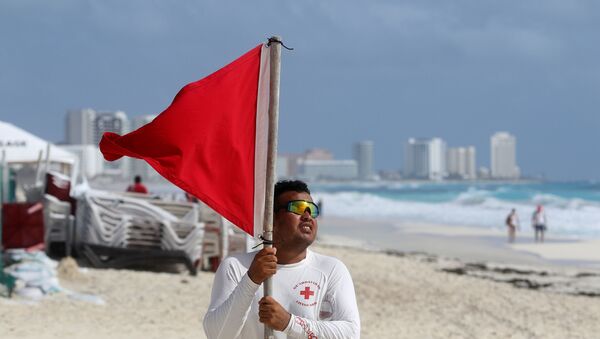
(573,217)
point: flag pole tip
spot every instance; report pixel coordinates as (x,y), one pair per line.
(277,39)
(274,38)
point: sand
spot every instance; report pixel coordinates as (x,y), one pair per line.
(584,251)
(466,243)
(399,296)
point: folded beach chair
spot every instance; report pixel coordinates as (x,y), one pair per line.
(58,223)
(120,231)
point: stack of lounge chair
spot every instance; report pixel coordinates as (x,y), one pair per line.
(128,230)
(212,243)
(220,236)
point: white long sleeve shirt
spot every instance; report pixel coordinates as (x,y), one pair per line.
(318,292)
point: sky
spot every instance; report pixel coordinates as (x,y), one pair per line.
(360,70)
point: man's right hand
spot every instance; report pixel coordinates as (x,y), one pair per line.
(263,266)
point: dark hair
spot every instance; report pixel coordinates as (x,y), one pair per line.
(289,185)
(137,179)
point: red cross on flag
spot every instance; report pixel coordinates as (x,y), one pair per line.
(212,140)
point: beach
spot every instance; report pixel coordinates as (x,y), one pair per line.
(466,243)
(408,290)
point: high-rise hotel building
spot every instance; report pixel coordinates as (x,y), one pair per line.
(86,126)
(84,129)
(425,159)
(461,163)
(503,155)
(79,129)
(363,154)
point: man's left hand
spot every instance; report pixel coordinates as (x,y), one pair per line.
(272,314)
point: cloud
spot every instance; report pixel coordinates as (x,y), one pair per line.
(132,18)
(415,66)
(499,41)
(529,30)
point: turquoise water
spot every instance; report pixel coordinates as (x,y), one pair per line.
(442,192)
(573,208)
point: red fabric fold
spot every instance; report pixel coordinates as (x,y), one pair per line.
(204,142)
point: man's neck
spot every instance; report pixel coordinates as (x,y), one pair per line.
(290,256)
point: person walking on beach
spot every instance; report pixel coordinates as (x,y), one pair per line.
(137,186)
(313,294)
(512,223)
(539,221)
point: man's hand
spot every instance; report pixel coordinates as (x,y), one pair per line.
(272,314)
(263,266)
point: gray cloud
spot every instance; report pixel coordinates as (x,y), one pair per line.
(382,70)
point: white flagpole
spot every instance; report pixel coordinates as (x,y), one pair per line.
(275,50)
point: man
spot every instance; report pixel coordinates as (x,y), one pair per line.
(137,186)
(313,294)
(512,222)
(538,221)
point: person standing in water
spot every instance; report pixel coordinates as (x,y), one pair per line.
(539,223)
(512,223)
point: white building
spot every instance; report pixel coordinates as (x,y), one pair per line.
(282,167)
(425,159)
(363,154)
(312,169)
(318,154)
(461,162)
(504,156)
(86,127)
(116,122)
(287,165)
(79,127)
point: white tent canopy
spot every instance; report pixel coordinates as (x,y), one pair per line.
(21,146)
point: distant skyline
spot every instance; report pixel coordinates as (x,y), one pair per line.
(380,70)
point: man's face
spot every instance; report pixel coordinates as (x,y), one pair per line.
(293,230)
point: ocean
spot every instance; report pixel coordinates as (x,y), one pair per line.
(572,209)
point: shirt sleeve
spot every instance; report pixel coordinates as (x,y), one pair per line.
(339,316)
(230,302)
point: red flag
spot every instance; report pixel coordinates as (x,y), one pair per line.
(212,140)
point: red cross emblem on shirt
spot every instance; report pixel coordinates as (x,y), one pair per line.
(307,293)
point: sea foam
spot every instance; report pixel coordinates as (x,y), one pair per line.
(566,217)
